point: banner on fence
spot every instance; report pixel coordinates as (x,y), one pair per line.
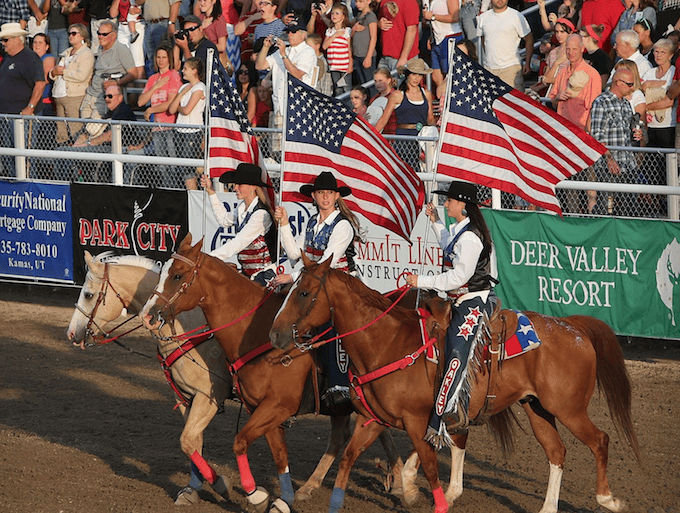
(126,220)
(625,272)
(35,231)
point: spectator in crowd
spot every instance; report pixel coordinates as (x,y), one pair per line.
(71,79)
(502,29)
(22,81)
(246,85)
(57,25)
(114,66)
(264,103)
(160,90)
(117,109)
(557,58)
(611,123)
(15,11)
(214,26)
(384,84)
(569,9)
(160,17)
(41,47)
(358,96)
(594,55)
(320,20)
(398,22)
(577,85)
(602,12)
(324,83)
(271,25)
(627,43)
(189,105)
(299,59)
(338,47)
(364,42)
(37,22)
(644,32)
(133,38)
(231,15)
(191,42)
(544,49)
(469,10)
(245,29)
(444,18)
(98,12)
(637,101)
(413,106)
(637,11)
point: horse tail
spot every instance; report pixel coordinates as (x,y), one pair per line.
(612,375)
(502,428)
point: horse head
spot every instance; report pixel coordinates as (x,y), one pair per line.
(177,289)
(98,303)
(307,305)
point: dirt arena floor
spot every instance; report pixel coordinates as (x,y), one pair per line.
(94,431)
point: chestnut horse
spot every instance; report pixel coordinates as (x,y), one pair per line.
(554,381)
(274,386)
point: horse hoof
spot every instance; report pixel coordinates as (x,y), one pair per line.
(222,486)
(610,503)
(259,499)
(279,506)
(187,496)
(410,498)
(303,495)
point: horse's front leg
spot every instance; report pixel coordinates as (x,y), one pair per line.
(277,444)
(337,438)
(267,417)
(395,466)
(365,433)
(455,488)
(416,429)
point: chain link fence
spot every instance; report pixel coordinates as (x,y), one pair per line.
(162,155)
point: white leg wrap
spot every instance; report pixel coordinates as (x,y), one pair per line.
(455,489)
(258,496)
(552,496)
(279,506)
(611,503)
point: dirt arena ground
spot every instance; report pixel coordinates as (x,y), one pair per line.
(94,431)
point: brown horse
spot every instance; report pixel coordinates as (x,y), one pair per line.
(274,385)
(554,381)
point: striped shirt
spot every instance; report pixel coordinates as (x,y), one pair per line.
(338,53)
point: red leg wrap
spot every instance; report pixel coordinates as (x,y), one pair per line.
(440,504)
(204,467)
(247,479)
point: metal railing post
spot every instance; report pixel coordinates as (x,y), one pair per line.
(673,181)
(20,144)
(117,147)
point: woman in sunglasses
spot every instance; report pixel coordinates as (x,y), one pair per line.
(246,85)
(71,78)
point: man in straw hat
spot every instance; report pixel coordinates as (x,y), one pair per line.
(22,81)
(254,243)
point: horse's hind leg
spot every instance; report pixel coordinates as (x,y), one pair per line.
(337,438)
(395,467)
(545,431)
(408,476)
(598,442)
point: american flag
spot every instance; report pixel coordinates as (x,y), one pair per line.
(496,136)
(231,140)
(323,134)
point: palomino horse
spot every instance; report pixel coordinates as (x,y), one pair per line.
(200,376)
(555,381)
(274,384)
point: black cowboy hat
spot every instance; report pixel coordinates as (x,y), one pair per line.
(325,182)
(248,174)
(462,191)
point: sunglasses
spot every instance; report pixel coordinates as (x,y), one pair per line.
(191,29)
(629,84)
(103,34)
(74,33)
(5,39)
(109,96)
(243,72)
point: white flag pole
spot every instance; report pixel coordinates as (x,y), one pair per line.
(206,137)
(284,128)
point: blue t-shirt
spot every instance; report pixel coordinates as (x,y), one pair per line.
(18,75)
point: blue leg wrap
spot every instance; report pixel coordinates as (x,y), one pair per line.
(196,481)
(287,493)
(337,500)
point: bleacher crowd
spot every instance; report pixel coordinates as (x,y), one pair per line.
(75,59)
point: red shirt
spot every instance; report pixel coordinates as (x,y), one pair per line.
(393,39)
(602,12)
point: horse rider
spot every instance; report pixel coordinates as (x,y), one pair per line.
(330,233)
(468,282)
(255,241)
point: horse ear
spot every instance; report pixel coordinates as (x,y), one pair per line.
(91,263)
(185,245)
(326,264)
(197,248)
(306,261)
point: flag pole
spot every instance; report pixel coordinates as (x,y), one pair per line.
(284,127)
(206,138)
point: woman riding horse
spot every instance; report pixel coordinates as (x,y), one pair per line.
(255,240)
(467,280)
(330,233)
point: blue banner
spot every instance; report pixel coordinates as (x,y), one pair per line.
(35,231)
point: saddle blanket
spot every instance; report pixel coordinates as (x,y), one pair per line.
(524,339)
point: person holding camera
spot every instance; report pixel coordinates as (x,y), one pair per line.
(191,42)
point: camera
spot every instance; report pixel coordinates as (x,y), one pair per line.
(275,40)
(181,34)
(316,6)
(111,76)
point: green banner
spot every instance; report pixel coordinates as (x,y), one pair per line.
(625,272)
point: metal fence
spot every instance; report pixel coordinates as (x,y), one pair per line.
(161,155)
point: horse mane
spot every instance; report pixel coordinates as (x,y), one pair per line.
(108,257)
(373,298)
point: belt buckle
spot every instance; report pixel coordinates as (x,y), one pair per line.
(419,126)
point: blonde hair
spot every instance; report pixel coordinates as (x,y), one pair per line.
(359,234)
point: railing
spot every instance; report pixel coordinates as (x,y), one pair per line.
(139,154)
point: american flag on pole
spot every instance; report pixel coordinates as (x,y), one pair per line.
(496,136)
(323,134)
(231,139)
